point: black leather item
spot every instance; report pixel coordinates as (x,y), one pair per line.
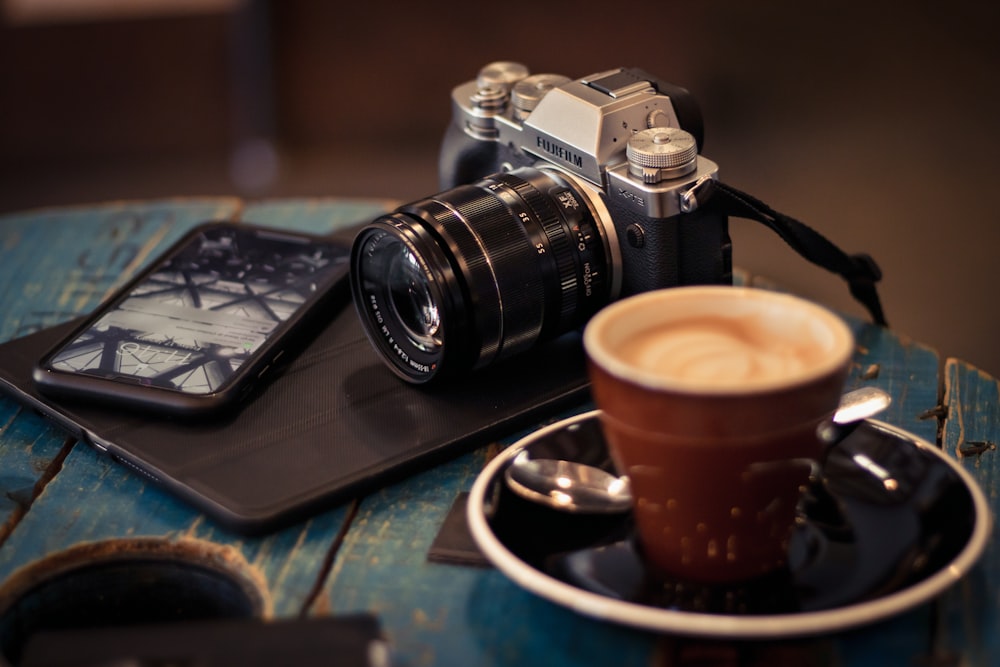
(335,423)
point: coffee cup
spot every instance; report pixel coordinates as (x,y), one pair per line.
(710,398)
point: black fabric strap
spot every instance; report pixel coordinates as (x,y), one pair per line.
(859,270)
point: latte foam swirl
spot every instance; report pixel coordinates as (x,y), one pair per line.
(717,353)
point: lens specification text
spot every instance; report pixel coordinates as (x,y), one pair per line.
(403,356)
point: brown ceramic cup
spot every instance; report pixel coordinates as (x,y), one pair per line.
(710,398)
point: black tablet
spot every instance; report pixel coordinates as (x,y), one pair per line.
(334,424)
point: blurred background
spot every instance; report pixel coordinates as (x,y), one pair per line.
(873,122)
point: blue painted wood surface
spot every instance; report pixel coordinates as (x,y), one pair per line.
(58,263)
(61,262)
(92,501)
(970,620)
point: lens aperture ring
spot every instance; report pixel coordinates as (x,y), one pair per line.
(559,244)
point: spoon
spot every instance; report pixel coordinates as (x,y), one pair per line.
(855,406)
(860,404)
(580,488)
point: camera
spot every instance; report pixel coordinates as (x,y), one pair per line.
(559,196)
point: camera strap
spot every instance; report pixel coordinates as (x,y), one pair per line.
(859,270)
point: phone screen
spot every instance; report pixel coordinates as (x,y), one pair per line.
(204,310)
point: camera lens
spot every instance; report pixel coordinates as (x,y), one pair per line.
(412,302)
(475,274)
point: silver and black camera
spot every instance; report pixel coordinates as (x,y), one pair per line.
(560,196)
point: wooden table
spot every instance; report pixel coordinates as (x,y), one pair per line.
(62,503)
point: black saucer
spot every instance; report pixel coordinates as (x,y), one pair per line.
(894,523)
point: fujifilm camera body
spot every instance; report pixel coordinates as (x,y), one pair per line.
(559,196)
(507,119)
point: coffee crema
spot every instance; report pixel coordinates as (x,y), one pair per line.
(719,351)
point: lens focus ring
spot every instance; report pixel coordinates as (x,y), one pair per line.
(559,243)
(504,276)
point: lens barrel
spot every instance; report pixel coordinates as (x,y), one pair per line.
(459,280)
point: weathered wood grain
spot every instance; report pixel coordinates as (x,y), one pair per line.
(30,451)
(970,620)
(317,215)
(60,263)
(56,264)
(94,500)
(906,369)
(437,614)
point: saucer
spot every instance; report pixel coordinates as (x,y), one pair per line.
(895,523)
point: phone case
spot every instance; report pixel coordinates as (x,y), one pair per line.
(222,278)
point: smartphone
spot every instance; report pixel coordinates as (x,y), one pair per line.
(207,321)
